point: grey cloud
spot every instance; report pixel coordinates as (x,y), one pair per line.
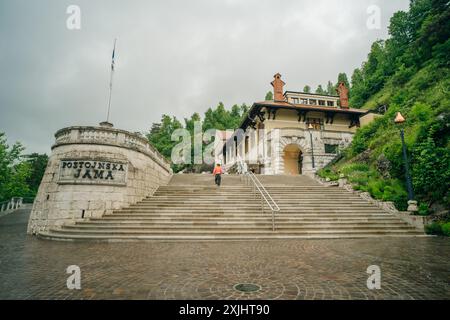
(174,57)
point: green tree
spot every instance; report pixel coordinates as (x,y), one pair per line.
(38,164)
(220,118)
(214,118)
(307,89)
(14,171)
(342,77)
(431,171)
(359,91)
(269,96)
(160,135)
(330,89)
(320,90)
(189,123)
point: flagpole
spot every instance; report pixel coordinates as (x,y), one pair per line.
(111,81)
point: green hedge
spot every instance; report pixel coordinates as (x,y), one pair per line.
(438,228)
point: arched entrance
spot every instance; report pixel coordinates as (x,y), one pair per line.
(292,157)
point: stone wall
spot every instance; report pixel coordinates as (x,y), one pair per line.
(93,171)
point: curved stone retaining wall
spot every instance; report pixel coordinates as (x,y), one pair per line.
(93,171)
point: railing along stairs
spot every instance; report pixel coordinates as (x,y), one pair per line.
(13,204)
(251,179)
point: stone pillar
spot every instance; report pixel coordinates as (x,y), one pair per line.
(342,181)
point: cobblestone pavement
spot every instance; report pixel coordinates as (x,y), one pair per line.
(411,268)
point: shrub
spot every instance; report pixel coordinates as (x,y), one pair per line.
(423,209)
(420,112)
(393,152)
(445,227)
(394,191)
(399,97)
(433,228)
(350,168)
(431,170)
(359,178)
(402,75)
(328,173)
(376,188)
(362,137)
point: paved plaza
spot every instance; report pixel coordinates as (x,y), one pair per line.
(411,268)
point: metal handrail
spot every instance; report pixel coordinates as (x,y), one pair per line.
(257,185)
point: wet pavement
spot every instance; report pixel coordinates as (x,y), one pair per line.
(411,268)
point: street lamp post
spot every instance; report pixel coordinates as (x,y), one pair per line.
(412,205)
(310,127)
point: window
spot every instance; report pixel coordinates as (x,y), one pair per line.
(321,102)
(224,153)
(304,101)
(246,145)
(331,148)
(313,101)
(316,123)
(295,100)
(330,103)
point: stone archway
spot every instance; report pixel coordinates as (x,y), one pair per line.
(295,143)
(292,159)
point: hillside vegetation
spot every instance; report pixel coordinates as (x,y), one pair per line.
(408,73)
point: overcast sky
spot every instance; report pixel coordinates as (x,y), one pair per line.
(173,57)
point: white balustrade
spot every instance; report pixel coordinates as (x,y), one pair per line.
(108,136)
(13,204)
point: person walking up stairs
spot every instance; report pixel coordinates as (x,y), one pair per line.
(217,172)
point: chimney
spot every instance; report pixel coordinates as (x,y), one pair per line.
(277,84)
(343,95)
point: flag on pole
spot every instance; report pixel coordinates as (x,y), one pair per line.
(111,80)
(114,51)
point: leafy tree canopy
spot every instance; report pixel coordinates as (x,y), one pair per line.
(218,118)
(14,171)
(269,95)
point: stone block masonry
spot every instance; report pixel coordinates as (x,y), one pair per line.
(93,171)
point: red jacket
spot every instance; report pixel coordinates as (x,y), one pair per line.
(217,170)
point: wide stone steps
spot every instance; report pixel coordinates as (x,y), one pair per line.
(238,218)
(247,213)
(250,206)
(230,200)
(200,235)
(253,203)
(191,207)
(318,196)
(236,226)
(205,222)
(219,219)
(217,237)
(235,230)
(236,212)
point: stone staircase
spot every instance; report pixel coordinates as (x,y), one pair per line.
(191,207)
